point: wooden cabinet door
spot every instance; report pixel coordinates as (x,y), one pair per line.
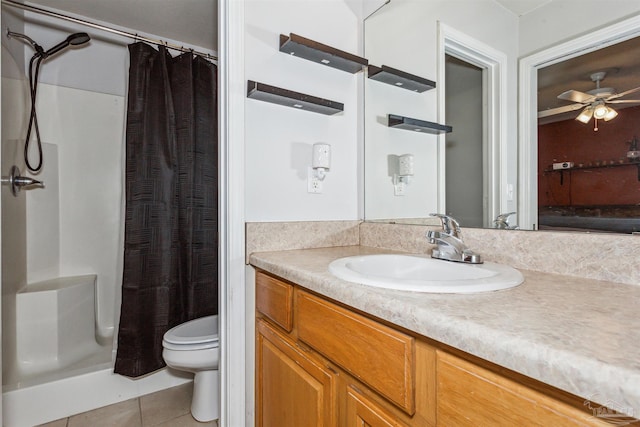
(363,412)
(470,395)
(293,389)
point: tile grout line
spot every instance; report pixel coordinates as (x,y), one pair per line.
(140,411)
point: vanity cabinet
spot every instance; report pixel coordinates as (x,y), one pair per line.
(320,363)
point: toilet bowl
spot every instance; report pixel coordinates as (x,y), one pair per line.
(193,347)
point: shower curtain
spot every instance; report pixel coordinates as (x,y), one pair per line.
(171,238)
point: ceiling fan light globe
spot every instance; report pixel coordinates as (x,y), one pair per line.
(611,114)
(585,115)
(600,112)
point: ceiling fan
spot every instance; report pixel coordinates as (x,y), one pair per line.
(593,102)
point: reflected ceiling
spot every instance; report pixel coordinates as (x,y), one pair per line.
(621,62)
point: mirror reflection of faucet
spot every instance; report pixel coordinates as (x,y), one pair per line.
(16,181)
(502,222)
(450,246)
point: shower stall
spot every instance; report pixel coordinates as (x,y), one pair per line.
(62,242)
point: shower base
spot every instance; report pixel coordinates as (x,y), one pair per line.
(97,386)
(16,378)
(60,367)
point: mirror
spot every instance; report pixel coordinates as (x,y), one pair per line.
(415,37)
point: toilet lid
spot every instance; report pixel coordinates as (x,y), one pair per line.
(197,331)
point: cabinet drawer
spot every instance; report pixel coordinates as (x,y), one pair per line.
(377,355)
(469,395)
(274,299)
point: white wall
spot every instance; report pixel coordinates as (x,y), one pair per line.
(279,139)
(562,20)
(404,35)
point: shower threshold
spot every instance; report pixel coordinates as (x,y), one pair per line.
(100,359)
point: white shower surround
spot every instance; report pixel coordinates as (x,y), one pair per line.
(87,128)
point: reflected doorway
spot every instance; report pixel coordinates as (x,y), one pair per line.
(529,158)
(491,66)
(465,153)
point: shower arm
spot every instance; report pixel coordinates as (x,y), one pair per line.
(36,46)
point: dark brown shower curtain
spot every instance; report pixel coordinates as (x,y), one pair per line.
(171,238)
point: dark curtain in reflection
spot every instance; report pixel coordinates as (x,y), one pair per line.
(171,239)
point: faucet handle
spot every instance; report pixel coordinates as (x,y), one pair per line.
(449,224)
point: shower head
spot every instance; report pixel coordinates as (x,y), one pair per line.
(74,39)
(78,38)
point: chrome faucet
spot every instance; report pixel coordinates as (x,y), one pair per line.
(502,221)
(451,247)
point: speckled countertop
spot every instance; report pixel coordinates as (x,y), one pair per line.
(579,335)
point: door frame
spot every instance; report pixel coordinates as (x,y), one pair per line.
(494,65)
(231,273)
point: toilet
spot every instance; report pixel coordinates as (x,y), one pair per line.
(193,347)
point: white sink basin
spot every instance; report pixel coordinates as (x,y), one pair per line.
(423,274)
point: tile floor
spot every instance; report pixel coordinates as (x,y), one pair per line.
(166,408)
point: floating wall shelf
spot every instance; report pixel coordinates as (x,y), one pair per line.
(407,123)
(578,168)
(321,53)
(400,79)
(289,98)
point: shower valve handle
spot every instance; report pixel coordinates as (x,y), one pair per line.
(23,181)
(16,181)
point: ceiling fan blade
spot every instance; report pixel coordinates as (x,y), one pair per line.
(624,101)
(559,110)
(577,96)
(621,94)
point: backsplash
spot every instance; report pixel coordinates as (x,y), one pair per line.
(280,236)
(601,256)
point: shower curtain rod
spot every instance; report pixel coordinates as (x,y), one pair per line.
(105,28)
